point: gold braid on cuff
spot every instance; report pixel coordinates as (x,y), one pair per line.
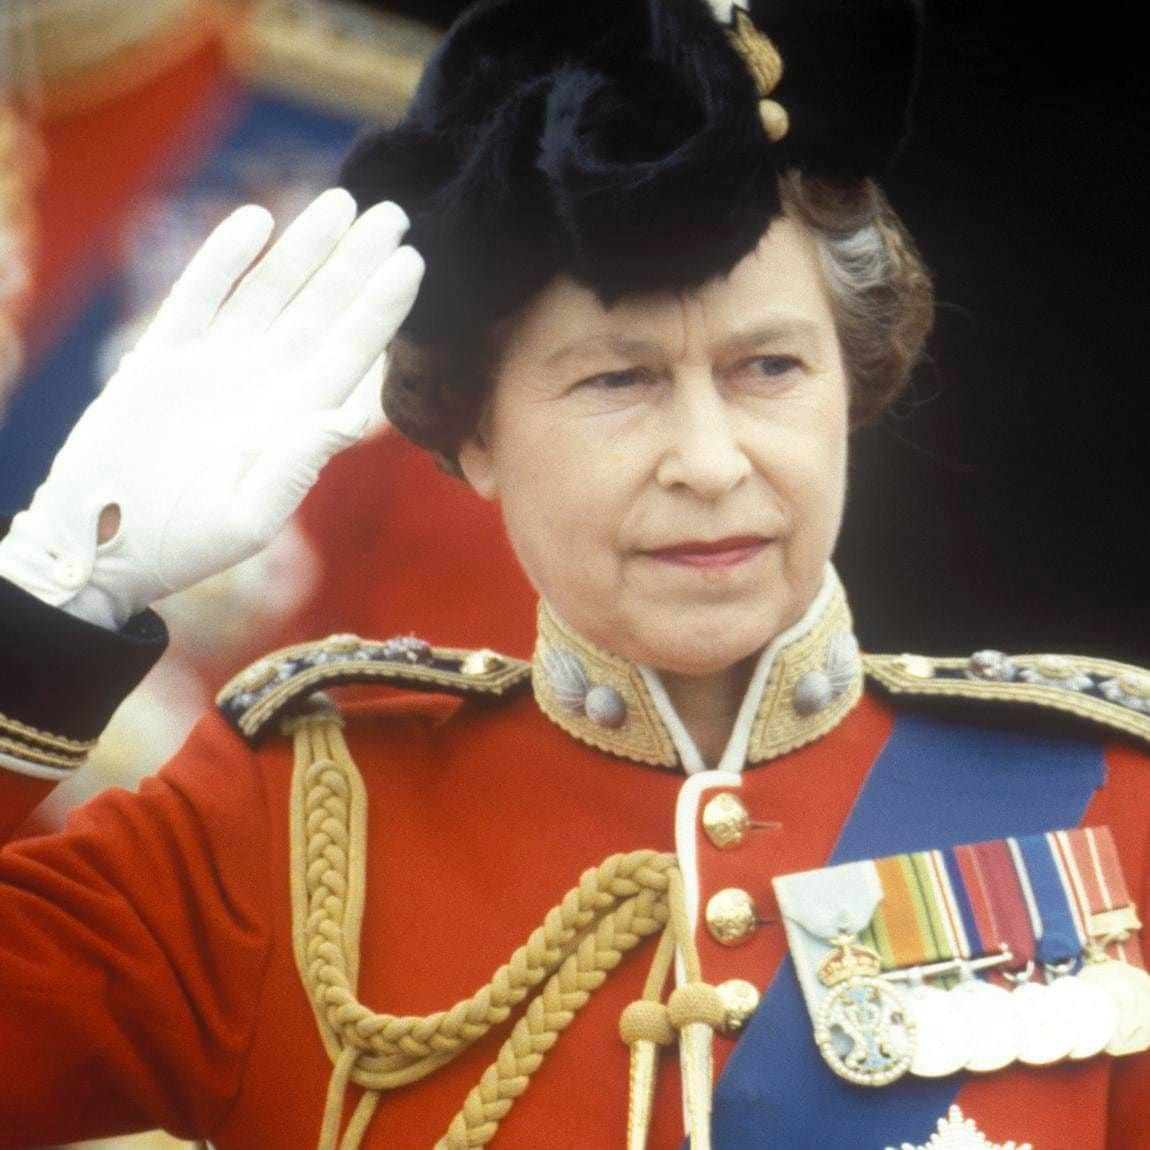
(41,748)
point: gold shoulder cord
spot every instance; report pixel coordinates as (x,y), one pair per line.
(613,908)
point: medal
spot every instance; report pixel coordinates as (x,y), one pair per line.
(1001,906)
(1109,923)
(862,1025)
(863,1028)
(1065,1005)
(1092,1014)
(993,1021)
(1050,910)
(918,931)
(945,1042)
(1045,1035)
(1128,988)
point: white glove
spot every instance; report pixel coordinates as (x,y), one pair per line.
(218,422)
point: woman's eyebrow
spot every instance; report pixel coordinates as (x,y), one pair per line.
(788,327)
(622,346)
(627,347)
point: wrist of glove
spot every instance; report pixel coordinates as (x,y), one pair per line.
(216,425)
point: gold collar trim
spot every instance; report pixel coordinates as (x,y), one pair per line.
(806,683)
(567,669)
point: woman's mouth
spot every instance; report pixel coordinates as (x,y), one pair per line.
(716,555)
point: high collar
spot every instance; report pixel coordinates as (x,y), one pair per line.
(805,683)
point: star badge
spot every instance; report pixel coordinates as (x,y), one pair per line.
(958,1133)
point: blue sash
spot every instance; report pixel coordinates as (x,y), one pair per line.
(934,785)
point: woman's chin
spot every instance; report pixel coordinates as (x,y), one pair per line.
(680,652)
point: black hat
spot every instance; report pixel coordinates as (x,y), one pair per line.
(622,142)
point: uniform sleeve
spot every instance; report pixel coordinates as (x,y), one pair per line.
(132,954)
(60,681)
(1129,818)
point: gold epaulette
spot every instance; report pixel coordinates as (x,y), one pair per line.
(266,690)
(1101,691)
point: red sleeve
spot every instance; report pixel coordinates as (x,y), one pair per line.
(1124,805)
(132,953)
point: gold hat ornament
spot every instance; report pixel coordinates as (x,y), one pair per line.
(762,59)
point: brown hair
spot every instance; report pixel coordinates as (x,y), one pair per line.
(881,292)
(881,296)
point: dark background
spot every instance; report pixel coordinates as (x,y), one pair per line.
(1004,503)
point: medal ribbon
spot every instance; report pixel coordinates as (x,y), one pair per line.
(976,945)
(1057,934)
(997,899)
(917,921)
(1096,883)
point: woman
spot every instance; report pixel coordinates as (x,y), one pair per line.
(660,290)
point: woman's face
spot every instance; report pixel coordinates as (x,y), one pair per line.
(672,469)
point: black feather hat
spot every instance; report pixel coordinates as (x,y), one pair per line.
(621,142)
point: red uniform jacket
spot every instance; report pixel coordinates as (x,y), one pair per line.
(146,954)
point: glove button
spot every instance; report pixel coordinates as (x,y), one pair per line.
(69,573)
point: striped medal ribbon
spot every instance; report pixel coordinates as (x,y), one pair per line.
(971,958)
(1003,904)
(1066,1003)
(919,934)
(1108,923)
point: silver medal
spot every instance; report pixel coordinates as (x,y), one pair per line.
(1045,1034)
(943,1040)
(1093,1014)
(994,1025)
(1128,987)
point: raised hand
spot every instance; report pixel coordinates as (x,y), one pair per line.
(250,377)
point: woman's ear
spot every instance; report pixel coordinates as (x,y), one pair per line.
(477,463)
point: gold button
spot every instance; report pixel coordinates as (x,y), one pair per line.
(343,642)
(731,916)
(481,662)
(725,820)
(740,1000)
(916,666)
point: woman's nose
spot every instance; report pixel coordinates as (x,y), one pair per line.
(702,450)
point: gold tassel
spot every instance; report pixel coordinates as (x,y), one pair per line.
(696,1011)
(697,1074)
(645,1026)
(641,1095)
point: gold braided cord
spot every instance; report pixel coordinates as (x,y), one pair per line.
(549,1013)
(582,938)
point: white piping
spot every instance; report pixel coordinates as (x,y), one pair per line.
(689,756)
(735,756)
(686,850)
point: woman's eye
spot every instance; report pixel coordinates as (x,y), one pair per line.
(773,366)
(616,380)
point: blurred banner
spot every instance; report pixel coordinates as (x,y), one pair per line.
(127,132)
(122,158)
